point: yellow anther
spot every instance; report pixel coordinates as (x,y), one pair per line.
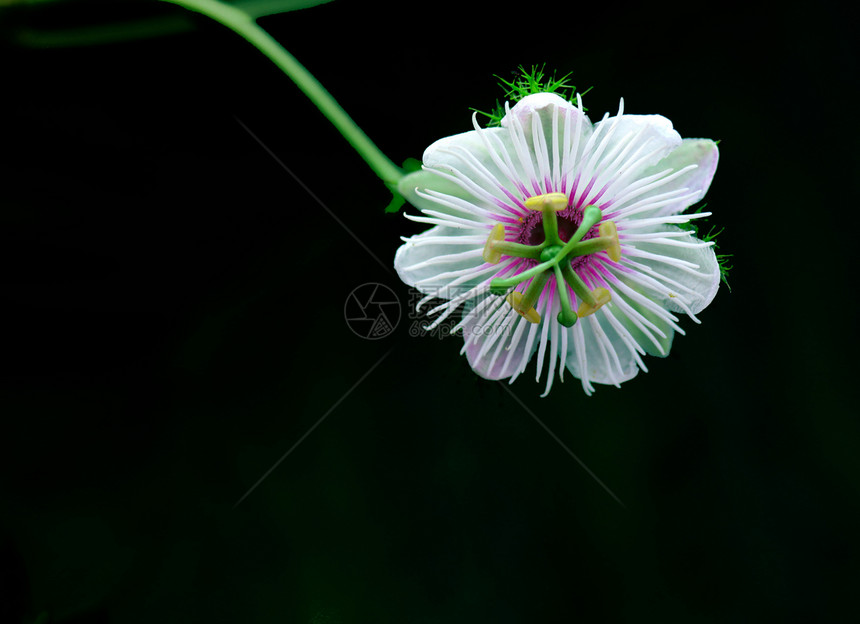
(497,234)
(515,299)
(608,230)
(553,201)
(601,297)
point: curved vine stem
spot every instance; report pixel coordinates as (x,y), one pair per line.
(244,25)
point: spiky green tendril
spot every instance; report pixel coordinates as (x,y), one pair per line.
(528,82)
(723,260)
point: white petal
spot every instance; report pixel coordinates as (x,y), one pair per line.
(629,146)
(541,104)
(413,187)
(648,329)
(552,133)
(496,339)
(703,155)
(606,356)
(689,271)
(433,262)
(652,131)
(463,166)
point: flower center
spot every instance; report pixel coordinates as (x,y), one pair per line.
(567,221)
(557,238)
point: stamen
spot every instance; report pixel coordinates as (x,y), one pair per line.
(515,298)
(608,230)
(496,247)
(601,297)
(550,201)
(492,255)
(607,241)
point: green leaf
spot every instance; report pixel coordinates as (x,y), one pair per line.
(410,165)
(111,30)
(397,201)
(261,8)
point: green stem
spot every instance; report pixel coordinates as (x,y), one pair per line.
(244,25)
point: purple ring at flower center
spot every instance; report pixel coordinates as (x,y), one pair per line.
(531,231)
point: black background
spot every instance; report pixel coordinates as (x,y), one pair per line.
(173,324)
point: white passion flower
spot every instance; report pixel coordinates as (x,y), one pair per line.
(563,236)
